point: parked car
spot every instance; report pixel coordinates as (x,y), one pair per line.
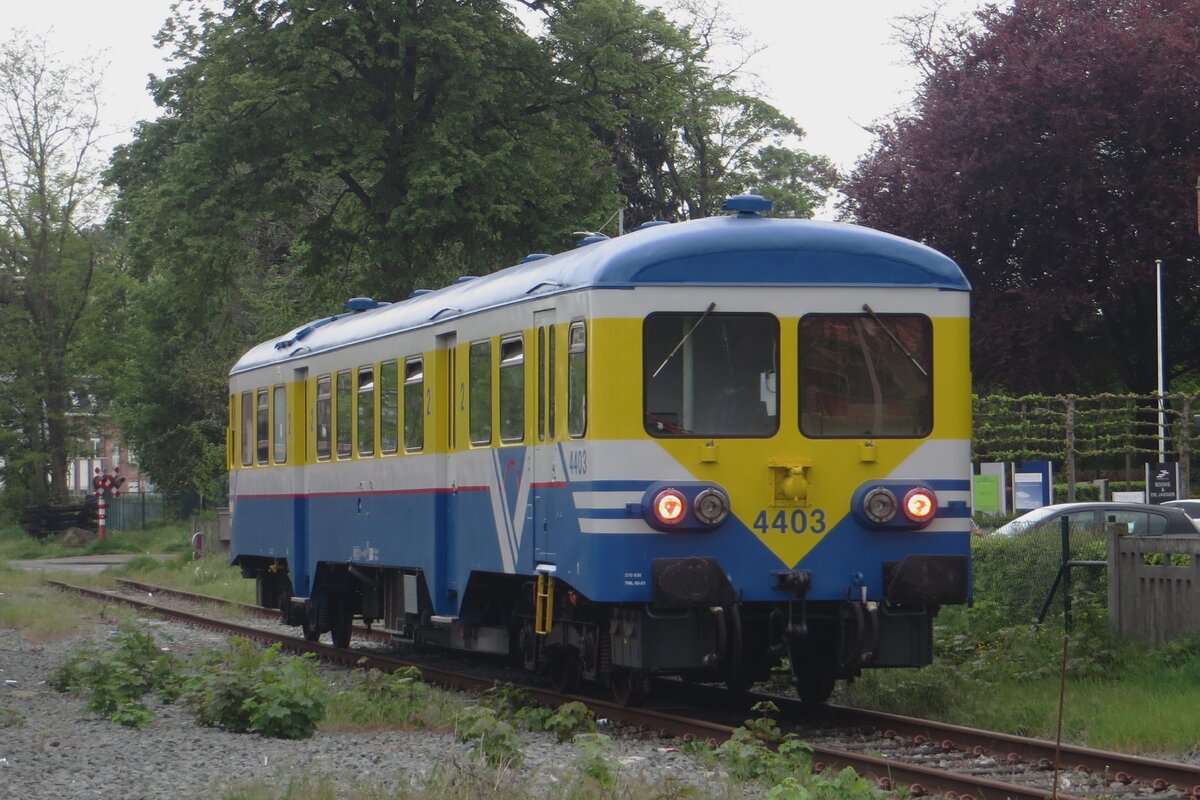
(1190,507)
(1142,519)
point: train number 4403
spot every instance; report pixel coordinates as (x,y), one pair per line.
(796,521)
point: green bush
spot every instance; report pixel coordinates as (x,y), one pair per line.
(496,739)
(115,681)
(570,720)
(246,689)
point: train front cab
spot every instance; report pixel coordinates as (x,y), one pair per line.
(840,440)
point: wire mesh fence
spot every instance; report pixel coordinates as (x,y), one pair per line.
(1024,573)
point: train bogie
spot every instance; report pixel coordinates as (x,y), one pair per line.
(691,451)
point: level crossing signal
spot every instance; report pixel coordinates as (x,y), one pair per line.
(106,485)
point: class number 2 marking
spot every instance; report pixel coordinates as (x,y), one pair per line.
(796,521)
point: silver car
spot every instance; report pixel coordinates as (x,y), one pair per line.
(1142,519)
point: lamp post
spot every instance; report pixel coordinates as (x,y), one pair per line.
(1162,439)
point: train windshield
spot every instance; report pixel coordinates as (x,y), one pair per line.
(866,375)
(710,375)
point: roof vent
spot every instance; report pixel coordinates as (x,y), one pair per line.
(747,204)
(466,278)
(534,257)
(418,293)
(357,304)
(654,223)
(591,238)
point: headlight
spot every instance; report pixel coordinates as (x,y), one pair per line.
(711,506)
(879,505)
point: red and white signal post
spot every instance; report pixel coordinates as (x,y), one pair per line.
(105,487)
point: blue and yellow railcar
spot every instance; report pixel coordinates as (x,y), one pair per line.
(688,450)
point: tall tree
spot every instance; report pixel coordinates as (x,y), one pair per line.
(1053,152)
(309,152)
(50,200)
(680,131)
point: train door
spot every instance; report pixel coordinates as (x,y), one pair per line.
(544,452)
(297,424)
(446,588)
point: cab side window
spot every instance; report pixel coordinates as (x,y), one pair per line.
(577,380)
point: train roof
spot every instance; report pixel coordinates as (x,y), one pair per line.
(742,249)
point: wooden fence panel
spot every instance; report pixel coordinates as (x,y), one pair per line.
(1153,585)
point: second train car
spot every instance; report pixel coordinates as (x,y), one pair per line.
(690,450)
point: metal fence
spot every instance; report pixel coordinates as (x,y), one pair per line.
(134,512)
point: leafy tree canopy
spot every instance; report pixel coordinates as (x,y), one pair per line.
(310,152)
(1053,151)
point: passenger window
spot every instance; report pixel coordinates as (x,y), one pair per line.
(1136,522)
(479,373)
(866,375)
(512,389)
(324,417)
(247,429)
(280,412)
(366,411)
(344,410)
(389,407)
(577,380)
(264,426)
(414,395)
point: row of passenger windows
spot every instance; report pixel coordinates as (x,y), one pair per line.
(345,427)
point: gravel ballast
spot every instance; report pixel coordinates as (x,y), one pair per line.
(53,747)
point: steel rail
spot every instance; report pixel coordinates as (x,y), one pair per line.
(1121,767)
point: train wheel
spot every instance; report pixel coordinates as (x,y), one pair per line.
(340,626)
(565,669)
(311,632)
(629,686)
(814,682)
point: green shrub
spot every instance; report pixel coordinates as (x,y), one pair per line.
(571,719)
(496,739)
(245,689)
(116,680)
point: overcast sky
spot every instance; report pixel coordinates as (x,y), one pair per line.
(829,64)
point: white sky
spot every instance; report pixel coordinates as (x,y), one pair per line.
(829,64)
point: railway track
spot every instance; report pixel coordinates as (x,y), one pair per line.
(923,757)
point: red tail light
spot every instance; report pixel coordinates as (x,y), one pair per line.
(920,505)
(669,507)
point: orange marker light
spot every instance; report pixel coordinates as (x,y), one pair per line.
(669,506)
(919,505)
